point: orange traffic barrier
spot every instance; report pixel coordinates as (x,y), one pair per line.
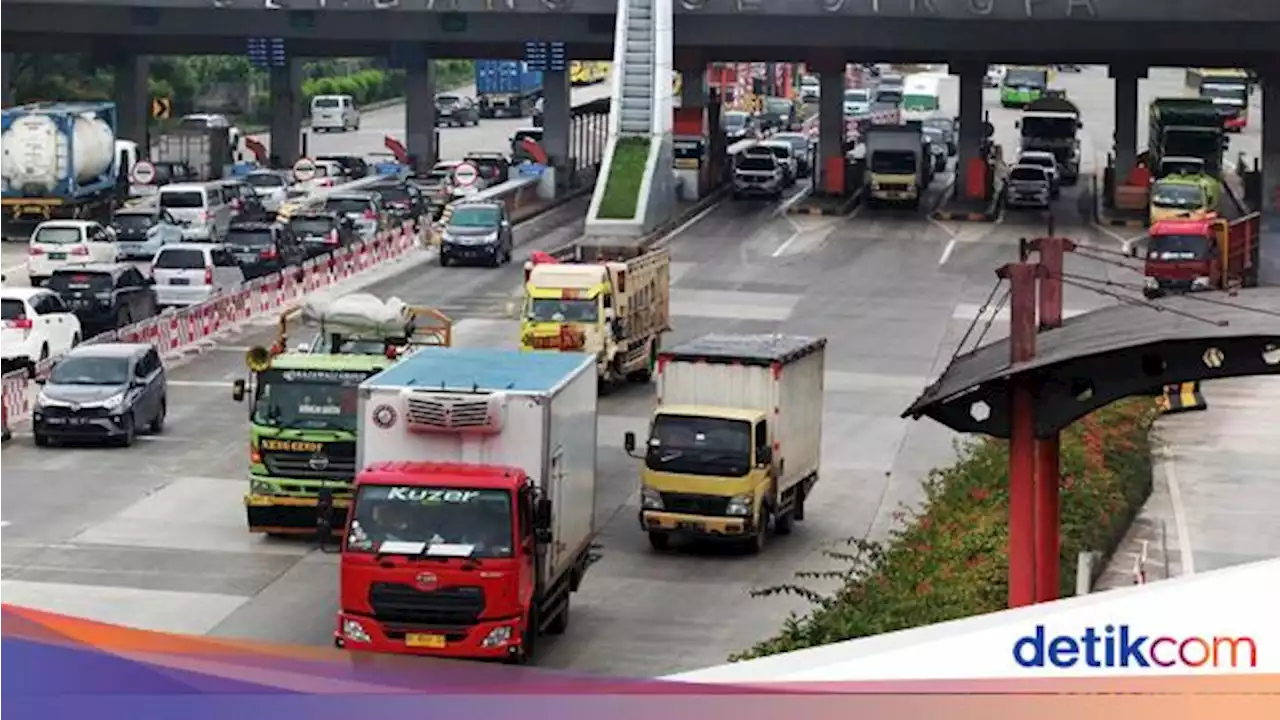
(975,176)
(834,177)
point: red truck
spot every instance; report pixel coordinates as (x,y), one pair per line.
(1201,254)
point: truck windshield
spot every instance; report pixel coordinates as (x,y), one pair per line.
(1177,195)
(1056,128)
(699,446)
(548,310)
(1178,247)
(1030,79)
(893,162)
(1238,94)
(308,399)
(477,521)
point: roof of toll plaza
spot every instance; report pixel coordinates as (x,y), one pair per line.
(1171,31)
(1102,356)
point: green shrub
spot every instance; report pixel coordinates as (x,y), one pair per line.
(949,560)
(626,173)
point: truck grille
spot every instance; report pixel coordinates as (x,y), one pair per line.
(438,413)
(455,606)
(895,187)
(688,504)
(337,461)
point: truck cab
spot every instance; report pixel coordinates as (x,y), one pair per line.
(1182,256)
(897,171)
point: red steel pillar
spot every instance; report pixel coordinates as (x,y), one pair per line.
(1022,440)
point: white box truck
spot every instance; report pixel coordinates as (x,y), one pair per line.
(474,511)
(735,441)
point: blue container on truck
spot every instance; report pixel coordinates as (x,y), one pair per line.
(60,160)
(506,88)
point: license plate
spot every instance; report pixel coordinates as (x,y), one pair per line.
(67,421)
(179,281)
(57,256)
(246,257)
(421,640)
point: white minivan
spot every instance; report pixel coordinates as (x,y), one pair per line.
(191,273)
(334,112)
(202,208)
(58,243)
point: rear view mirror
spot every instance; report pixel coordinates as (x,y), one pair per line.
(237,390)
(629,442)
(542,514)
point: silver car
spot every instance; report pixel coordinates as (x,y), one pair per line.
(141,231)
(363,208)
(1029,186)
(272,188)
(191,273)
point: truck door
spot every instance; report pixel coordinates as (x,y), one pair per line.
(763,451)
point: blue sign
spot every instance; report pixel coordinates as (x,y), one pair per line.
(241,169)
(264,53)
(388,168)
(530,169)
(542,56)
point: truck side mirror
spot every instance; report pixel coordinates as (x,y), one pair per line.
(1079,124)
(237,390)
(1017,124)
(629,442)
(542,515)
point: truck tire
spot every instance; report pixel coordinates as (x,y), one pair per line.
(785,522)
(528,648)
(646,374)
(660,542)
(560,623)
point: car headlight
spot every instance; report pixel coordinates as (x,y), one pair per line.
(1150,282)
(739,505)
(650,499)
(1201,282)
(114,402)
(497,637)
(43,400)
(491,237)
(352,630)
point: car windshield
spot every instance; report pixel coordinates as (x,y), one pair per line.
(324,344)
(699,446)
(89,370)
(1177,247)
(57,236)
(326,102)
(347,206)
(249,237)
(573,311)
(476,217)
(180,259)
(940,124)
(79,281)
(1041,160)
(264,180)
(14,309)
(446,100)
(893,162)
(311,226)
(1027,174)
(432,521)
(782,152)
(856,96)
(777,105)
(756,163)
(889,97)
(1026,79)
(308,399)
(735,120)
(182,199)
(133,221)
(1177,195)
(1198,143)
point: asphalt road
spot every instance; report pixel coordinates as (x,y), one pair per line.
(154,536)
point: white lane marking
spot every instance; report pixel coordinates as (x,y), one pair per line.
(16,268)
(946,252)
(966,311)
(1186,557)
(1125,243)
(4,523)
(231,348)
(795,235)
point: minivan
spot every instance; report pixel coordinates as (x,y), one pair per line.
(334,112)
(191,273)
(201,208)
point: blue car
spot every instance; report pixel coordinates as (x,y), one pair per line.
(141,231)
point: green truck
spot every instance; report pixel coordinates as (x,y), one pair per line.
(1185,128)
(303,406)
(1023,85)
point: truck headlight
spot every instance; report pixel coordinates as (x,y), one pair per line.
(497,637)
(261,487)
(1150,283)
(1200,282)
(650,499)
(352,630)
(739,505)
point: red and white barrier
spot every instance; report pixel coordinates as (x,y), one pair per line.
(176,333)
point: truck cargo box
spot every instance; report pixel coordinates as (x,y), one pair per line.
(506,77)
(63,151)
(495,407)
(780,374)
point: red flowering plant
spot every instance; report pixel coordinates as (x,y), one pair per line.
(948,559)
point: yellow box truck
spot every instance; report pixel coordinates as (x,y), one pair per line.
(734,445)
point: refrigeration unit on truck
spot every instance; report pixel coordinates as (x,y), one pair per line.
(734,444)
(607,297)
(1051,124)
(474,510)
(60,162)
(898,171)
(506,88)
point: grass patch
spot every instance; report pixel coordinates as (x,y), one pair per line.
(949,560)
(622,189)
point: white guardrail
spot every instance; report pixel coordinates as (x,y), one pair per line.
(177,333)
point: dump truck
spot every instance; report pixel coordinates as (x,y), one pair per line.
(898,170)
(1185,128)
(474,509)
(1201,254)
(1184,196)
(506,88)
(302,409)
(734,445)
(608,297)
(1051,123)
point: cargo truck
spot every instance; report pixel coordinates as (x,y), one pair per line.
(1185,128)
(474,510)
(608,297)
(302,409)
(1023,85)
(1201,254)
(60,162)
(734,445)
(506,88)
(1051,124)
(898,170)
(207,151)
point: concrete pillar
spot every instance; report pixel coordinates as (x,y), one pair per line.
(972,120)
(286,113)
(132,95)
(1126,117)
(830,122)
(557,113)
(6,70)
(420,112)
(1269,249)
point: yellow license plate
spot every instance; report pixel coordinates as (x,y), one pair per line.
(424,641)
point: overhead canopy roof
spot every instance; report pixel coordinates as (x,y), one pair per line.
(1099,357)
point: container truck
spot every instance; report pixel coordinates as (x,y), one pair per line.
(607,297)
(1051,124)
(734,445)
(506,88)
(898,171)
(1201,254)
(474,512)
(60,162)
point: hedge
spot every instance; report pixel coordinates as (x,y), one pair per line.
(370,86)
(948,560)
(626,174)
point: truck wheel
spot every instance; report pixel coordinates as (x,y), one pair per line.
(528,648)
(659,541)
(560,623)
(784,523)
(757,543)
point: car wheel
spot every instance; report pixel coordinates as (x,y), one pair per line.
(157,424)
(40,439)
(130,433)
(444,260)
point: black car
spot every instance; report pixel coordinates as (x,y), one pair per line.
(456,110)
(262,248)
(402,200)
(946,130)
(107,391)
(477,232)
(777,114)
(169,172)
(245,202)
(355,166)
(105,296)
(322,231)
(493,167)
(738,125)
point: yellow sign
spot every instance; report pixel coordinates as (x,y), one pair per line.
(292,445)
(161,108)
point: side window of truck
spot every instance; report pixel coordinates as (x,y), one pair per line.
(762,437)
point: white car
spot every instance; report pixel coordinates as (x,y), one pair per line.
(37,326)
(191,273)
(272,188)
(781,149)
(58,243)
(334,112)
